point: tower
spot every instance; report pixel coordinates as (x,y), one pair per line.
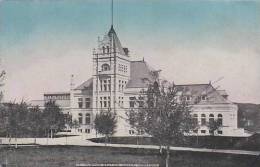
(111,72)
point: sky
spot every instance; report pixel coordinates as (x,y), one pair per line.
(43,42)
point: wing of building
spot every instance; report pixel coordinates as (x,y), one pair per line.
(117,81)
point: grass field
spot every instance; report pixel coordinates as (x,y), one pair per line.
(69,156)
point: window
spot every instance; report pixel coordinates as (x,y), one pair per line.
(104,49)
(122,101)
(105,67)
(87,102)
(211,118)
(203,131)
(109,84)
(119,85)
(188,98)
(80,118)
(195,119)
(107,49)
(220,119)
(80,102)
(141,102)
(203,119)
(87,119)
(220,132)
(105,85)
(131,132)
(131,102)
(87,130)
(140,132)
(203,97)
(101,102)
(105,101)
(108,102)
(80,130)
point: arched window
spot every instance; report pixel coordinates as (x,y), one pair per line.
(220,119)
(203,119)
(105,67)
(87,119)
(211,118)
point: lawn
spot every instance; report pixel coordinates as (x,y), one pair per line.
(68,156)
(219,142)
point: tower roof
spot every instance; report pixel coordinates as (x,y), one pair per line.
(112,38)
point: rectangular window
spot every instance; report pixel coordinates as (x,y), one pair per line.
(203,121)
(203,97)
(101,102)
(203,131)
(109,85)
(105,85)
(80,118)
(87,119)
(105,101)
(87,102)
(220,132)
(122,101)
(131,132)
(108,102)
(132,104)
(80,102)
(87,130)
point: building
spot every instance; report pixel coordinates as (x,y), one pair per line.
(117,82)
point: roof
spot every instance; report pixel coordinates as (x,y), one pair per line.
(141,74)
(115,41)
(57,93)
(198,90)
(85,85)
(60,103)
(222,92)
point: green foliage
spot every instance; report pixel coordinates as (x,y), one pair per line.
(213,126)
(164,116)
(20,120)
(105,123)
(53,118)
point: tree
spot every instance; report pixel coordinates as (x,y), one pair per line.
(35,122)
(53,118)
(2,77)
(105,123)
(164,116)
(213,125)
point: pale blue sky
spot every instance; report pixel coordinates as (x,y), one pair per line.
(42,42)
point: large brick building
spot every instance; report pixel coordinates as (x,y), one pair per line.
(116,83)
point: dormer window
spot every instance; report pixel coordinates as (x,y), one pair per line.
(105,67)
(188,98)
(203,97)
